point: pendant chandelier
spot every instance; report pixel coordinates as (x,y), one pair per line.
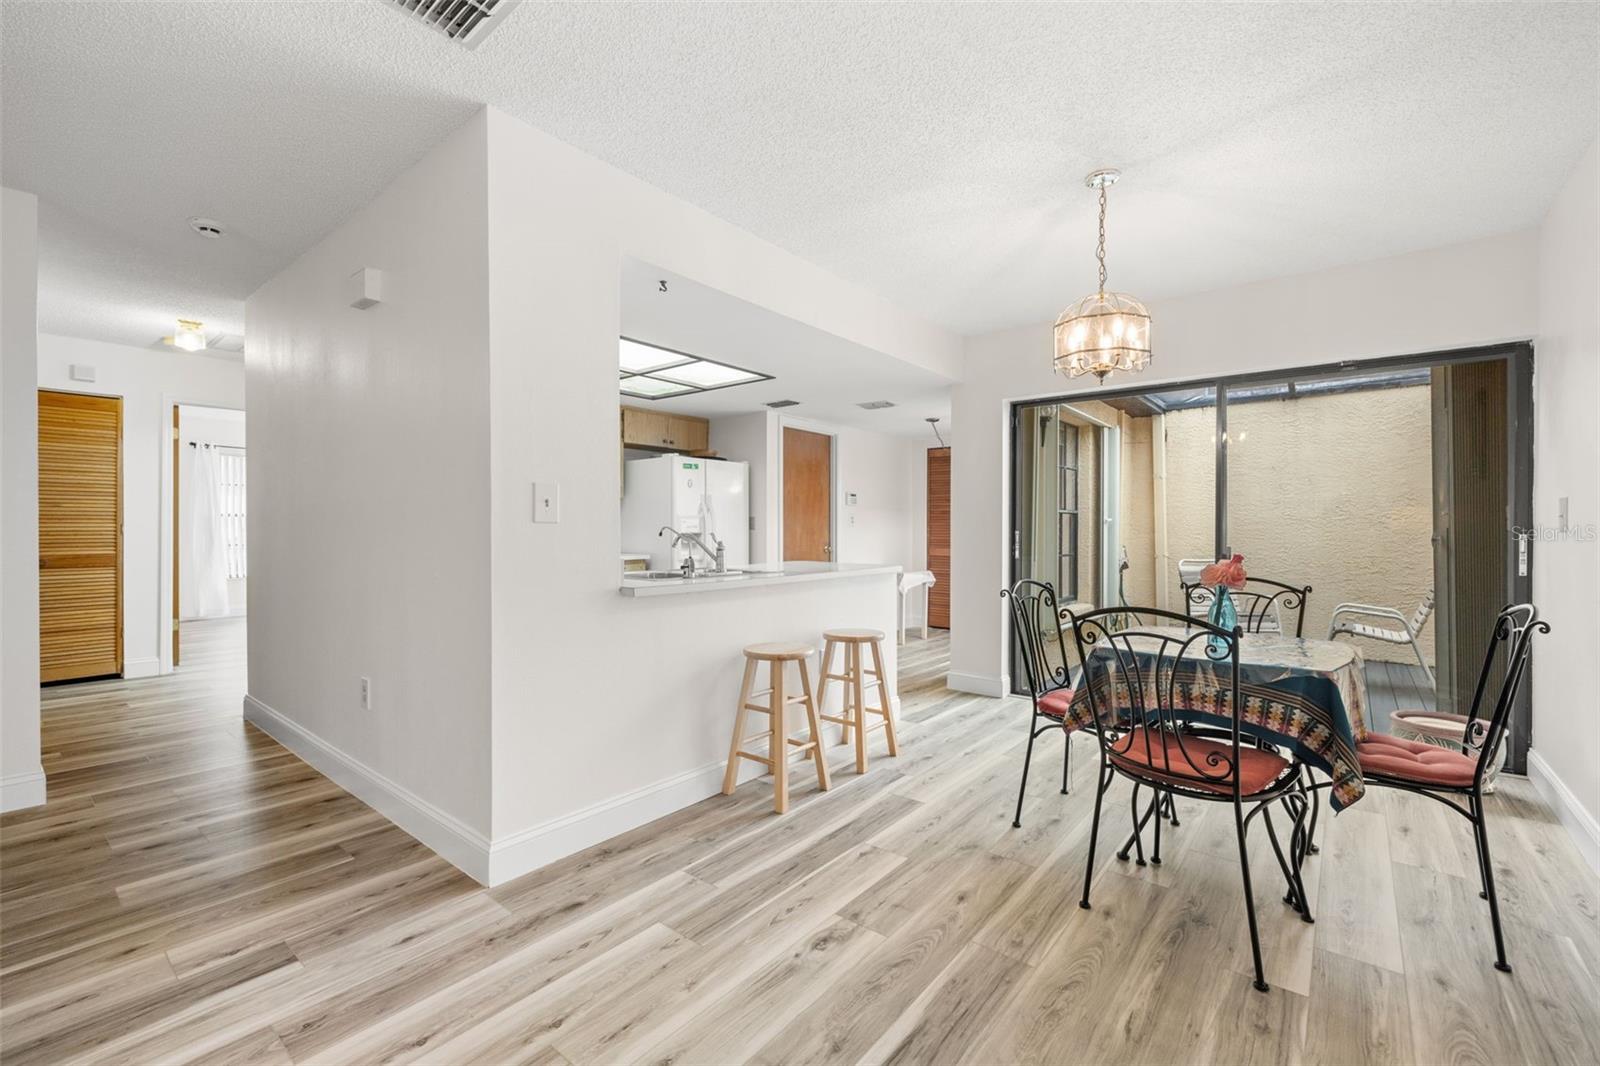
(1106,331)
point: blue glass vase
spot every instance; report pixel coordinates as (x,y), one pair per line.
(1223,615)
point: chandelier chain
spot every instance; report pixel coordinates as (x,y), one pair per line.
(1100,253)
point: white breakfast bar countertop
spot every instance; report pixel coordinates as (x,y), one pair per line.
(753,577)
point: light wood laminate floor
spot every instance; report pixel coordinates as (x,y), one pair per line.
(194,893)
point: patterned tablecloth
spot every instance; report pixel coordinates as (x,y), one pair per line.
(1305,695)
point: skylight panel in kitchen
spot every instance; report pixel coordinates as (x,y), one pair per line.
(650,372)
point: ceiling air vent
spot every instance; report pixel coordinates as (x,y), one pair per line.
(466,22)
(875,405)
(784,403)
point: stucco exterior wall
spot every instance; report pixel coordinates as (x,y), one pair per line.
(1332,490)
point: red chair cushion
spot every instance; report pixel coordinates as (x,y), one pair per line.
(1161,757)
(1414,760)
(1056,703)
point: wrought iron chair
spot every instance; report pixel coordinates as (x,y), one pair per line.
(1456,778)
(1037,626)
(1261,604)
(1163,689)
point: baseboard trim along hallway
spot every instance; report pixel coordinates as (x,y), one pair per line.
(455,841)
(499,861)
(22,790)
(1579,822)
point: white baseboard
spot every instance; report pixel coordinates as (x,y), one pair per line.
(978,684)
(1581,825)
(134,668)
(21,790)
(455,841)
(540,845)
(517,853)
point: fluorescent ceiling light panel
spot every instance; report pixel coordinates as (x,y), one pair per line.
(707,375)
(654,388)
(637,358)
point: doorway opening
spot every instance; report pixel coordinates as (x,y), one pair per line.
(1394,485)
(208,545)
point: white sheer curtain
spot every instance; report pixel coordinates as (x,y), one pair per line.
(205,567)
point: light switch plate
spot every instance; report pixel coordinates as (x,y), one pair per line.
(1561,514)
(546,501)
(81,372)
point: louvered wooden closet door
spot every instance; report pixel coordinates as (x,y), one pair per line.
(939,536)
(80,535)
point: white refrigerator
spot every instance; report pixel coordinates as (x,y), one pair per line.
(710,497)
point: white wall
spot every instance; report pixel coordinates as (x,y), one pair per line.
(888,474)
(149,381)
(590,705)
(369,500)
(1459,296)
(1566,578)
(215,426)
(752,438)
(21,775)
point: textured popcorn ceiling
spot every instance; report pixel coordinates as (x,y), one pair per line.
(930,152)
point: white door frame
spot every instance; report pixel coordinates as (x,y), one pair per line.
(834,503)
(168,531)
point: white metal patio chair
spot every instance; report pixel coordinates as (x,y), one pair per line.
(1410,629)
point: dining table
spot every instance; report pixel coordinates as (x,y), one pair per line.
(1306,696)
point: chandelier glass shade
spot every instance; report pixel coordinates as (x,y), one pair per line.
(1105,331)
(1101,333)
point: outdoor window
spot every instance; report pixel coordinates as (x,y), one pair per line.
(230,504)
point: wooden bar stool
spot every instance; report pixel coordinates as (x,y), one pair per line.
(776,656)
(855,709)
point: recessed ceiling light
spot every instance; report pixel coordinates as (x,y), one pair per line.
(707,375)
(653,388)
(206,227)
(636,357)
(652,372)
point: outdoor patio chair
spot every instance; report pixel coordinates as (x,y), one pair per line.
(1410,629)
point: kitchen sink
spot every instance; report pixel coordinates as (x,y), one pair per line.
(677,575)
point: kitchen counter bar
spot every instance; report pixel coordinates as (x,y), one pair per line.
(791,573)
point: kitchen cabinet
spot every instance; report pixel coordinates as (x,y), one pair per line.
(664,431)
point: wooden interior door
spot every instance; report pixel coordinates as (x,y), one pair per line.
(939,536)
(80,535)
(807,496)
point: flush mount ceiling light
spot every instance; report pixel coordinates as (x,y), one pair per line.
(190,335)
(650,372)
(1106,331)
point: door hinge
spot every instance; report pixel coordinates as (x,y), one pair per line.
(1016,544)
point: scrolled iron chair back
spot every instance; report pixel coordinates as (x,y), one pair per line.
(1261,602)
(1161,661)
(1036,624)
(1513,633)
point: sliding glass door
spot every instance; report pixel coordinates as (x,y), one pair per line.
(1387,484)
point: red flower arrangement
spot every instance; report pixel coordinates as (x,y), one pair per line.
(1225,573)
